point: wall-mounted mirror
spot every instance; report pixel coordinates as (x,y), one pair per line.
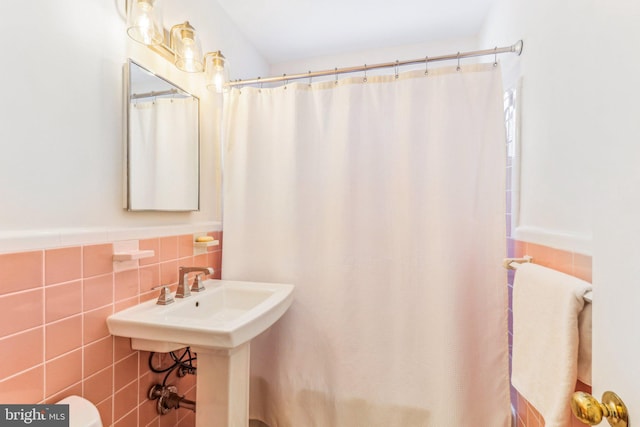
(163,148)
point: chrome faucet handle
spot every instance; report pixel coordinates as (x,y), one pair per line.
(165,297)
(197,283)
(205,270)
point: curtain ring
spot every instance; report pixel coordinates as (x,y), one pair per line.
(286,81)
(336,69)
(458,68)
(310,79)
(365,74)
(396,69)
(426,65)
(495,58)
(260,89)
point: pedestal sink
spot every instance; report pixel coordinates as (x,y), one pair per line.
(218,324)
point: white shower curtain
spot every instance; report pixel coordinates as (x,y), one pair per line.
(383,202)
(163,160)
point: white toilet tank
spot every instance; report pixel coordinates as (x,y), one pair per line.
(82,413)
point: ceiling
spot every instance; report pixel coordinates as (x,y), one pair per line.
(284,30)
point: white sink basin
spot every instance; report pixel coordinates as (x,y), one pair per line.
(225,315)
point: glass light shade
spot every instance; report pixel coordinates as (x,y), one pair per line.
(217,71)
(144,21)
(185,44)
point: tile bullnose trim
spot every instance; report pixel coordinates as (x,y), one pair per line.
(29,240)
(572,242)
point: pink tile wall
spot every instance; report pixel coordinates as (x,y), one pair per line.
(567,262)
(54,340)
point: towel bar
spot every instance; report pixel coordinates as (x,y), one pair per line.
(513,263)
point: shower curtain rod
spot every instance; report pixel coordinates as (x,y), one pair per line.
(153,94)
(515,48)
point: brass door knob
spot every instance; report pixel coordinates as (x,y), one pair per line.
(589,411)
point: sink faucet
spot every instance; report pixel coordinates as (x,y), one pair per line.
(165,297)
(183,281)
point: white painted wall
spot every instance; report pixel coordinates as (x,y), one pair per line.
(581,156)
(61,123)
(560,109)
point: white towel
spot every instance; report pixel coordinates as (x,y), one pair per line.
(546,335)
(584,350)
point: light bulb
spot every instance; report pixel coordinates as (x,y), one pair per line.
(218,81)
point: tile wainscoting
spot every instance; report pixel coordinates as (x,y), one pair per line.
(54,339)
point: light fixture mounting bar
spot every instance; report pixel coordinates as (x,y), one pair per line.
(163,49)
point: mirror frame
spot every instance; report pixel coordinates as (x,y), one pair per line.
(128,142)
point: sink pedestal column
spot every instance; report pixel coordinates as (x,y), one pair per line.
(222,395)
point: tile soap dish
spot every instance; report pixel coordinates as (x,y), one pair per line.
(205,242)
(132,255)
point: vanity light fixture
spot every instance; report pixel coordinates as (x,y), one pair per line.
(144,25)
